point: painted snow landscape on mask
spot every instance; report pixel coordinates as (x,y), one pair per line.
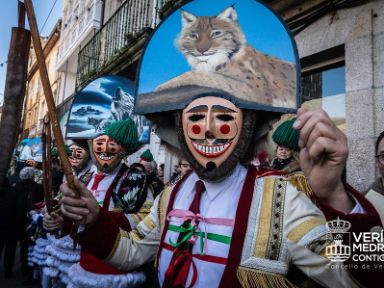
(104,100)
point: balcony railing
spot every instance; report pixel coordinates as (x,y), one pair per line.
(121,31)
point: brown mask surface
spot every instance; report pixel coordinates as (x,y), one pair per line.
(106,153)
(79,157)
(212,128)
(214,135)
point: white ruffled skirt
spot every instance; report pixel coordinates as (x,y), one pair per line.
(84,279)
(61,257)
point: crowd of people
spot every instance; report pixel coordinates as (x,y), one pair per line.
(28,223)
(230,215)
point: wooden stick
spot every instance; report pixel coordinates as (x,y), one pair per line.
(46,147)
(49,162)
(44,164)
(48,94)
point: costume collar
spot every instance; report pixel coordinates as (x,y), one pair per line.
(113,172)
(215,188)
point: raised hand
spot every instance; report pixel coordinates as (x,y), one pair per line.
(323,155)
(83,209)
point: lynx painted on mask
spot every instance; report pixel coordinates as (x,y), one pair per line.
(106,153)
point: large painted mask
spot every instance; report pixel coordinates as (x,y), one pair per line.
(79,157)
(214,135)
(221,65)
(212,128)
(106,153)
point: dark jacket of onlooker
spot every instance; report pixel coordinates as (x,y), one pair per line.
(156,184)
(8,206)
(28,193)
(377,186)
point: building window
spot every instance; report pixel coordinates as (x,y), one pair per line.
(323,83)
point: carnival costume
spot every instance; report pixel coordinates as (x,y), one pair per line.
(61,252)
(223,225)
(123,193)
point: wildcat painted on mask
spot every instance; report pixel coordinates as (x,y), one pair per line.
(217,44)
(208,42)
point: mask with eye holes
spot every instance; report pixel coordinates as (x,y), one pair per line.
(215,135)
(106,154)
(79,157)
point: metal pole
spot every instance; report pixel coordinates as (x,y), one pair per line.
(48,93)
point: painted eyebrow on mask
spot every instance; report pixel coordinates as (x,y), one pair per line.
(198,108)
(214,107)
(222,108)
(100,140)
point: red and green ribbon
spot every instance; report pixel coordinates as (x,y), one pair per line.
(193,231)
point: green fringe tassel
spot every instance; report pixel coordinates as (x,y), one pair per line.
(286,135)
(147,155)
(124,133)
(262,279)
(54,152)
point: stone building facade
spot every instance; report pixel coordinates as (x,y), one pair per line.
(35,106)
(340,45)
(359,31)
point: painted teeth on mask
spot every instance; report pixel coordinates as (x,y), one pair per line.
(211,149)
(102,156)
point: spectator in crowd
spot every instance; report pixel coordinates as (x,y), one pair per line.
(57,175)
(287,140)
(38,177)
(28,193)
(146,159)
(181,169)
(184,167)
(375,192)
(8,239)
(261,161)
(13,176)
(160,172)
(176,172)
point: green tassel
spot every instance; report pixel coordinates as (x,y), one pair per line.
(286,135)
(147,155)
(67,150)
(124,133)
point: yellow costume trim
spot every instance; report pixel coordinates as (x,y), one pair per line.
(262,240)
(298,232)
(300,182)
(162,210)
(121,234)
(136,236)
(148,222)
(261,279)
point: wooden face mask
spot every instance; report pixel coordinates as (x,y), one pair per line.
(211,127)
(79,157)
(107,153)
